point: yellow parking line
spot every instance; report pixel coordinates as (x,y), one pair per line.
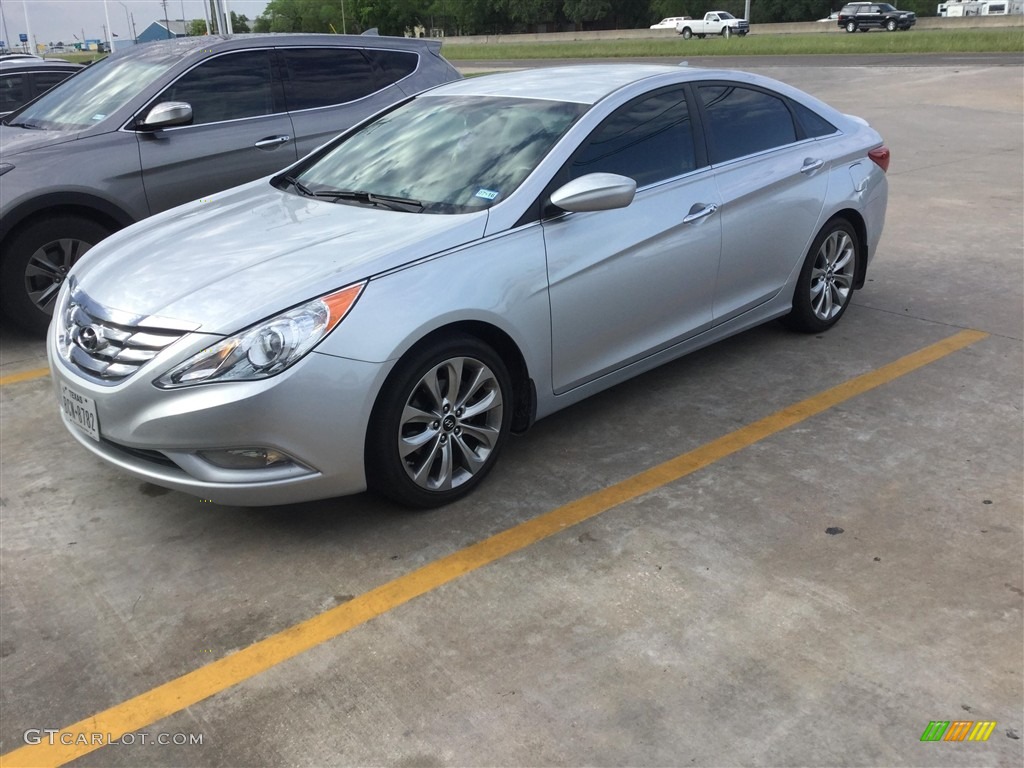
(14,378)
(143,710)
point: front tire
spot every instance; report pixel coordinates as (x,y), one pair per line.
(726,32)
(36,263)
(439,423)
(891,25)
(825,286)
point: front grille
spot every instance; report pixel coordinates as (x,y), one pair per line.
(109,346)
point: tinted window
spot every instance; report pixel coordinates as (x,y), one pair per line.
(44,81)
(13,91)
(394,65)
(649,140)
(742,121)
(226,88)
(320,77)
(814,125)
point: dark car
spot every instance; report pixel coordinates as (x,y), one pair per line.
(164,123)
(861,17)
(22,78)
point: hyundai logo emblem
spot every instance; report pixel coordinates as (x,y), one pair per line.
(91,339)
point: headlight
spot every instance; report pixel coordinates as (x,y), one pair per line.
(266,348)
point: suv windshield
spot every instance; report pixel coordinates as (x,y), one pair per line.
(444,154)
(92,94)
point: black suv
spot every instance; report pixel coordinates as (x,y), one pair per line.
(860,17)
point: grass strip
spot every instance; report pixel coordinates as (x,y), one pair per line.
(916,41)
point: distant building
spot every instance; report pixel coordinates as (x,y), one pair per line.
(164,30)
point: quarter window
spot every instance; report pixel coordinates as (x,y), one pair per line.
(742,121)
(393,65)
(322,77)
(648,140)
(227,87)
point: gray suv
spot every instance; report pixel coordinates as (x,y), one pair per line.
(165,123)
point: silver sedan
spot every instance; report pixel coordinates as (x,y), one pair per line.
(385,312)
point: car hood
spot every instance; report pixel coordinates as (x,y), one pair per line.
(15,140)
(220,264)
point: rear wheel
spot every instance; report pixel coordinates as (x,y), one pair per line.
(825,285)
(36,263)
(687,33)
(439,423)
(891,25)
(851,26)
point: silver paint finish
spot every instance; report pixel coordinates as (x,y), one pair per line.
(589,299)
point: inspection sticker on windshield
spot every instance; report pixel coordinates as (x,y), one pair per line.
(80,411)
(487,194)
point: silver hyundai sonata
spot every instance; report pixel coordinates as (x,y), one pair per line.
(386,311)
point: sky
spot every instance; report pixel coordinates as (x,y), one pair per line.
(50,21)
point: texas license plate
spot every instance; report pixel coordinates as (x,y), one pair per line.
(80,411)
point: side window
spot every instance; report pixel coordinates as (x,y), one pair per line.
(227,87)
(393,64)
(322,77)
(13,92)
(741,121)
(814,125)
(44,81)
(649,140)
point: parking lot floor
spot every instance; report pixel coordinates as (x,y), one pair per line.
(815,597)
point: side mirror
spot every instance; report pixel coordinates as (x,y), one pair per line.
(168,113)
(595,192)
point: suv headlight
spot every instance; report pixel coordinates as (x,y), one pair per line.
(268,347)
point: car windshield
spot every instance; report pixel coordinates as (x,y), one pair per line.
(92,94)
(444,154)
(725,15)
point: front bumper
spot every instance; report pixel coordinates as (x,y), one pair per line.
(316,412)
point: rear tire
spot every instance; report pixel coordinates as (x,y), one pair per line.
(439,423)
(825,286)
(687,33)
(851,26)
(36,263)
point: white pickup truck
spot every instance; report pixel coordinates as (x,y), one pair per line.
(713,23)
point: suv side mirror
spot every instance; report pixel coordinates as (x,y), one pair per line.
(167,113)
(595,192)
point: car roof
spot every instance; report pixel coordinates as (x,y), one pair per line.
(31,62)
(583,83)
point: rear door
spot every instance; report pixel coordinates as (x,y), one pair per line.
(627,283)
(330,89)
(240,130)
(772,180)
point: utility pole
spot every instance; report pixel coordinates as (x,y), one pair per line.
(746,11)
(167,24)
(110,38)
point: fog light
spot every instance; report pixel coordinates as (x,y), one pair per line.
(247,458)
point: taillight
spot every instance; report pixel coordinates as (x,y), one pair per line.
(880,156)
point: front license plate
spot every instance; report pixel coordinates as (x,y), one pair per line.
(80,411)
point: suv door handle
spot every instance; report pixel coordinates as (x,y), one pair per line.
(699,211)
(811,164)
(272,141)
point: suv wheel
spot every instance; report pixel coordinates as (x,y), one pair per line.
(851,26)
(36,263)
(891,25)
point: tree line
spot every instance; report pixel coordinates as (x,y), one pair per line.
(499,17)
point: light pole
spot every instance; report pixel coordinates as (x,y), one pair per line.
(128,21)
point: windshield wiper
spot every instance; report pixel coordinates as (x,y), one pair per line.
(384,201)
(302,188)
(26,125)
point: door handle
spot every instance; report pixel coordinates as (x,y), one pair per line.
(272,141)
(699,211)
(811,165)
